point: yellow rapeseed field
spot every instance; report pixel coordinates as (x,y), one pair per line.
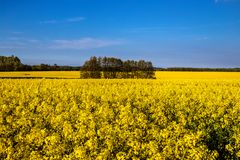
(197,75)
(46,74)
(159,74)
(120,119)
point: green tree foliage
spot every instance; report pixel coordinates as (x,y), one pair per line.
(187,69)
(110,68)
(11,63)
(91,69)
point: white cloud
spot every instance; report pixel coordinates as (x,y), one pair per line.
(156,29)
(78,44)
(32,40)
(16,32)
(19,42)
(68,20)
(49,22)
(217,1)
(84,43)
(12,45)
(202,38)
(22,40)
(75,19)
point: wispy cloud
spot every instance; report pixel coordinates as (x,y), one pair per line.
(84,43)
(12,45)
(19,42)
(22,40)
(77,44)
(49,22)
(202,38)
(75,19)
(155,29)
(68,20)
(170,28)
(16,32)
(217,1)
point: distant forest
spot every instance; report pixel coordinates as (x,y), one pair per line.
(110,67)
(13,63)
(186,69)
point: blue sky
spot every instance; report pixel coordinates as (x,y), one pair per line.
(170,33)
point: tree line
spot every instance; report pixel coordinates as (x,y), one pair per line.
(110,67)
(198,69)
(13,63)
(55,67)
(10,63)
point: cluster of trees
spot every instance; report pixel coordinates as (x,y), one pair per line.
(199,69)
(106,67)
(109,68)
(13,63)
(47,67)
(10,63)
(55,67)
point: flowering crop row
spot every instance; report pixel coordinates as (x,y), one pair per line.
(119,119)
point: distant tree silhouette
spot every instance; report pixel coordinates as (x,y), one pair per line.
(105,67)
(11,63)
(91,69)
(110,67)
